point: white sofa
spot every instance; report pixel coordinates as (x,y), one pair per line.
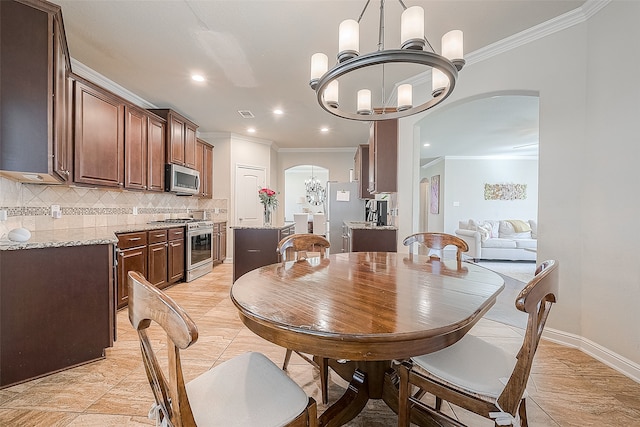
(512,240)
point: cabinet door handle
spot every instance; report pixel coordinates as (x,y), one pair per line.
(253,250)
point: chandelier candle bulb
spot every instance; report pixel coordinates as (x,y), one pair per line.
(348,40)
(331,94)
(453,48)
(412,28)
(364,102)
(405,97)
(319,66)
(438,82)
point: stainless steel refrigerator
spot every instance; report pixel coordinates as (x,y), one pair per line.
(343,204)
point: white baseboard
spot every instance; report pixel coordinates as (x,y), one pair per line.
(621,364)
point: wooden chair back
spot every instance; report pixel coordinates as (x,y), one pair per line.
(147,304)
(535,299)
(437,241)
(297,246)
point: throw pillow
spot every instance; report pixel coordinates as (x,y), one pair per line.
(485,232)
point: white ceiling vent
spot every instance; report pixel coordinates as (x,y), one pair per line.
(246,114)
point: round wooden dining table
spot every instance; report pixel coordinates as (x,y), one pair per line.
(369,308)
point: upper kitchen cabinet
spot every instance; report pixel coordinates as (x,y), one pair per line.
(383,157)
(204,164)
(361,167)
(144,144)
(98,136)
(181,138)
(156,137)
(34,106)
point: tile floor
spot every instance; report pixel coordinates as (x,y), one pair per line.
(567,388)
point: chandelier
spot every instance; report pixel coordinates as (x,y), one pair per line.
(411,55)
(315,190)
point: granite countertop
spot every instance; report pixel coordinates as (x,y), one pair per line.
(362,225)
(262,227)
(79,236)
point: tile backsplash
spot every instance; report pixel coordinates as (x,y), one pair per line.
(29,206)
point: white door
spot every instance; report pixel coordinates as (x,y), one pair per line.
(249,179)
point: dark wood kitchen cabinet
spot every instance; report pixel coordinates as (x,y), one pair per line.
(56,309)
(144,150)
(180,139)
(361,174)
(35,101)
(98,136)
(256,247)
(156,136)
(204,164)
(157,253)
(383,157)
(135,145)
(176,255)
(132,256)
(373,240)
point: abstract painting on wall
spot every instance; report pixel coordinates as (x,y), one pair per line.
(435,195)
(505,191)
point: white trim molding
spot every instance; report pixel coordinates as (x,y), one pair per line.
(615,361)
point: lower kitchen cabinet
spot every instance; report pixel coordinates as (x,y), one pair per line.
(157,257)
(157,254)
(373,240)
(256,247)
(176,254)
(56,309)
(132,256)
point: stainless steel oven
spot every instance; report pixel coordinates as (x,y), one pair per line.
(199,249)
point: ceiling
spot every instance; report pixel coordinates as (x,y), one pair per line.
(255,56)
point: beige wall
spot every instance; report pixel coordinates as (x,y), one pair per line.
(587,173)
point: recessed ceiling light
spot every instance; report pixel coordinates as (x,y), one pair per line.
(197,77)
(426,144)
(278,112)
(324,129)
(251,130)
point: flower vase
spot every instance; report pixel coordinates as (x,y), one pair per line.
(267,216)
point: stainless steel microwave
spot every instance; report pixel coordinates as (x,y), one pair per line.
(180,180)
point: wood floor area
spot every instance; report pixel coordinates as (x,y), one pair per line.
(567,387)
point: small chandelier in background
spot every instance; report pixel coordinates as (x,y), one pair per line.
(315,190)
(444,67)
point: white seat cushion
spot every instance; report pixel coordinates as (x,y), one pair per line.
(472,364)
(499,243)
(527,243)
(248,390)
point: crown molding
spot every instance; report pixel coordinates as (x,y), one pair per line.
(93,76)
(559,23)
(319,150)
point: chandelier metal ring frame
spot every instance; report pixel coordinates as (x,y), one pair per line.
(428,59)
(444,67)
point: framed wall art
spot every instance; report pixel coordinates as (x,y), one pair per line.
(434,203)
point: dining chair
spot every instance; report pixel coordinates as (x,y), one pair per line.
(319,224)
(301,223)
(246,390)
(297,247)
(435,243)
(480,376)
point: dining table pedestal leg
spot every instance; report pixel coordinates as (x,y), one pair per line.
(366,382)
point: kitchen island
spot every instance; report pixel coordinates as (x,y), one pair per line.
(363,236)
(255,247)
(57,300)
